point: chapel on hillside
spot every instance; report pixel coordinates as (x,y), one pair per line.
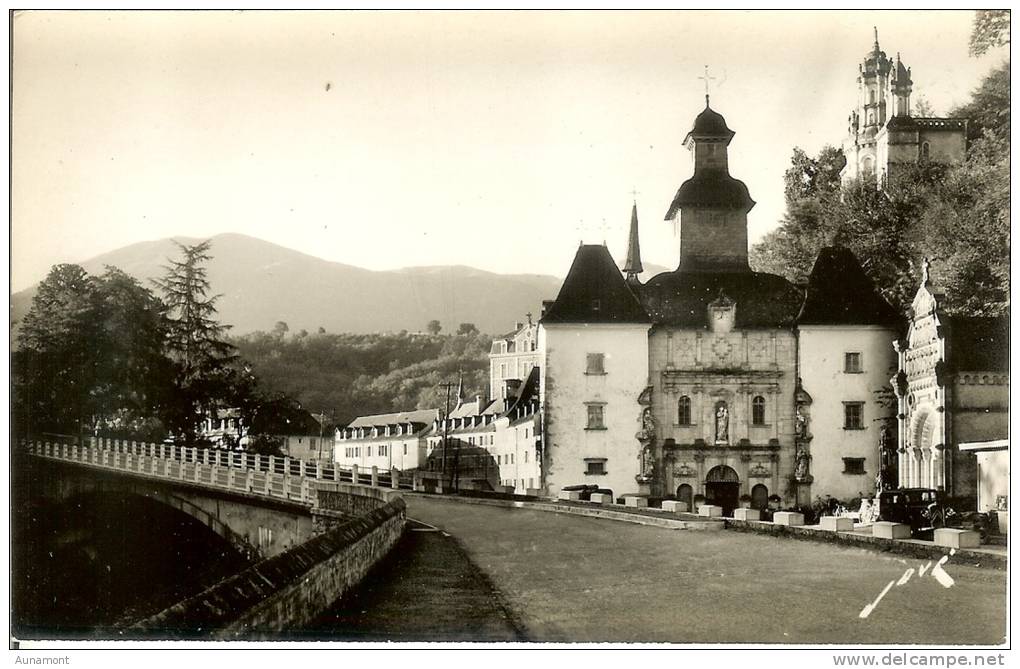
(688,384)
(882,133)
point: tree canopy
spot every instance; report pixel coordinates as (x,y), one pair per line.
(957,216)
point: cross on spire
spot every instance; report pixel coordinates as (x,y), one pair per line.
(706,79)
(634,193)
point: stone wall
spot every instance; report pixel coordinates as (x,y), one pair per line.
(290,589)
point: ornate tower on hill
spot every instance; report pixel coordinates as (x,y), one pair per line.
(710,210)
(881,133)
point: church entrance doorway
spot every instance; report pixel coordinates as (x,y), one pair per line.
(722,488)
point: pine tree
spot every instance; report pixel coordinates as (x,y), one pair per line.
(195,341)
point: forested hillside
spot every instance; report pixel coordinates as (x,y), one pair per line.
(957,216)
(357,374)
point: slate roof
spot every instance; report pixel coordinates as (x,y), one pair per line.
(681,298)
(424,416)
(595,292)
(840,293)
(977,344)
(711,188)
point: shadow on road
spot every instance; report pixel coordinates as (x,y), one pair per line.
(426,589)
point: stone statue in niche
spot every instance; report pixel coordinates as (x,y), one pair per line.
(646,437)
(801,423)
(800,472)
(722,424)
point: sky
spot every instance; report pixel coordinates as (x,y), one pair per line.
(498,140)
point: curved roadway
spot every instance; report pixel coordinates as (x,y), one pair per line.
(577,579)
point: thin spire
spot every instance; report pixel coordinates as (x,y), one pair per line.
(633,265)
(876,36)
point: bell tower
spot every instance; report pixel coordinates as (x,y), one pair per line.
(710,209)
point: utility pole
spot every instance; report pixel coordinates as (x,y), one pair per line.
(446,426)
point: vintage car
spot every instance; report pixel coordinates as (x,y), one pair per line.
(921,508)
(925,510)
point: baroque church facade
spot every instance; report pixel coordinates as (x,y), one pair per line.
(881,131)
(690,383)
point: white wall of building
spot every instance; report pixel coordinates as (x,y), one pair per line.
(400,451)
(823,376)
(568,390)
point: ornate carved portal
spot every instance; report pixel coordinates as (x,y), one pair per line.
(647,439)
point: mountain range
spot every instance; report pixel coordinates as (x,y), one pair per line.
(261,283)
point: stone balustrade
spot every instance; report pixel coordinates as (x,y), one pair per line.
(241,471)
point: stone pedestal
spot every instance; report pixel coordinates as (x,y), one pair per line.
(710,511)
(569,495)
(746,514)
(533,492)
(952,538)
(885,530)
(635,501)
(674,506)
(834,524)
(789,518)
(601,498)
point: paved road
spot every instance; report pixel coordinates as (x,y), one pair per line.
(570,578)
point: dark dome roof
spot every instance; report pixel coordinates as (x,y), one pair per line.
(711,122)
(711,188)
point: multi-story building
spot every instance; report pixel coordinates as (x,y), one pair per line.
(846,409)
(953,388)
(687,384)
(883,134)
(387,441)
(512,358)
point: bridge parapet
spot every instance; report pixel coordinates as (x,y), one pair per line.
(251,473)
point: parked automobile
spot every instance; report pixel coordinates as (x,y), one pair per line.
(920,508)
(926,510)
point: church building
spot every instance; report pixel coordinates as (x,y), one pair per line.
(684,385)
(883,134)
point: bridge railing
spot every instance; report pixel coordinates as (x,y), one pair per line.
(253,473)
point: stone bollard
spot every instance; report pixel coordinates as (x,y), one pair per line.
(569,495)
(746,514)
(601,498)
(635,501)
(835,524)
(674,506)
(375,476)
(710,511)
(883,529)
(788,518)
(395,478)
(948,537)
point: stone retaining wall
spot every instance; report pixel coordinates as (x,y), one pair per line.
(288,590)
(912,548)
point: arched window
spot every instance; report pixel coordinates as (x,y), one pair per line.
(758,410)
(871,97)
(683,411)
(925,150)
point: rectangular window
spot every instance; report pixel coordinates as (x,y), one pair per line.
(368,451)
(499,459)
(525,457)
(595,417)
(596,364)
(595,467)
(311,442)
(383,450)
(853,465)
(852,363)
(405,449)
(853,415)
